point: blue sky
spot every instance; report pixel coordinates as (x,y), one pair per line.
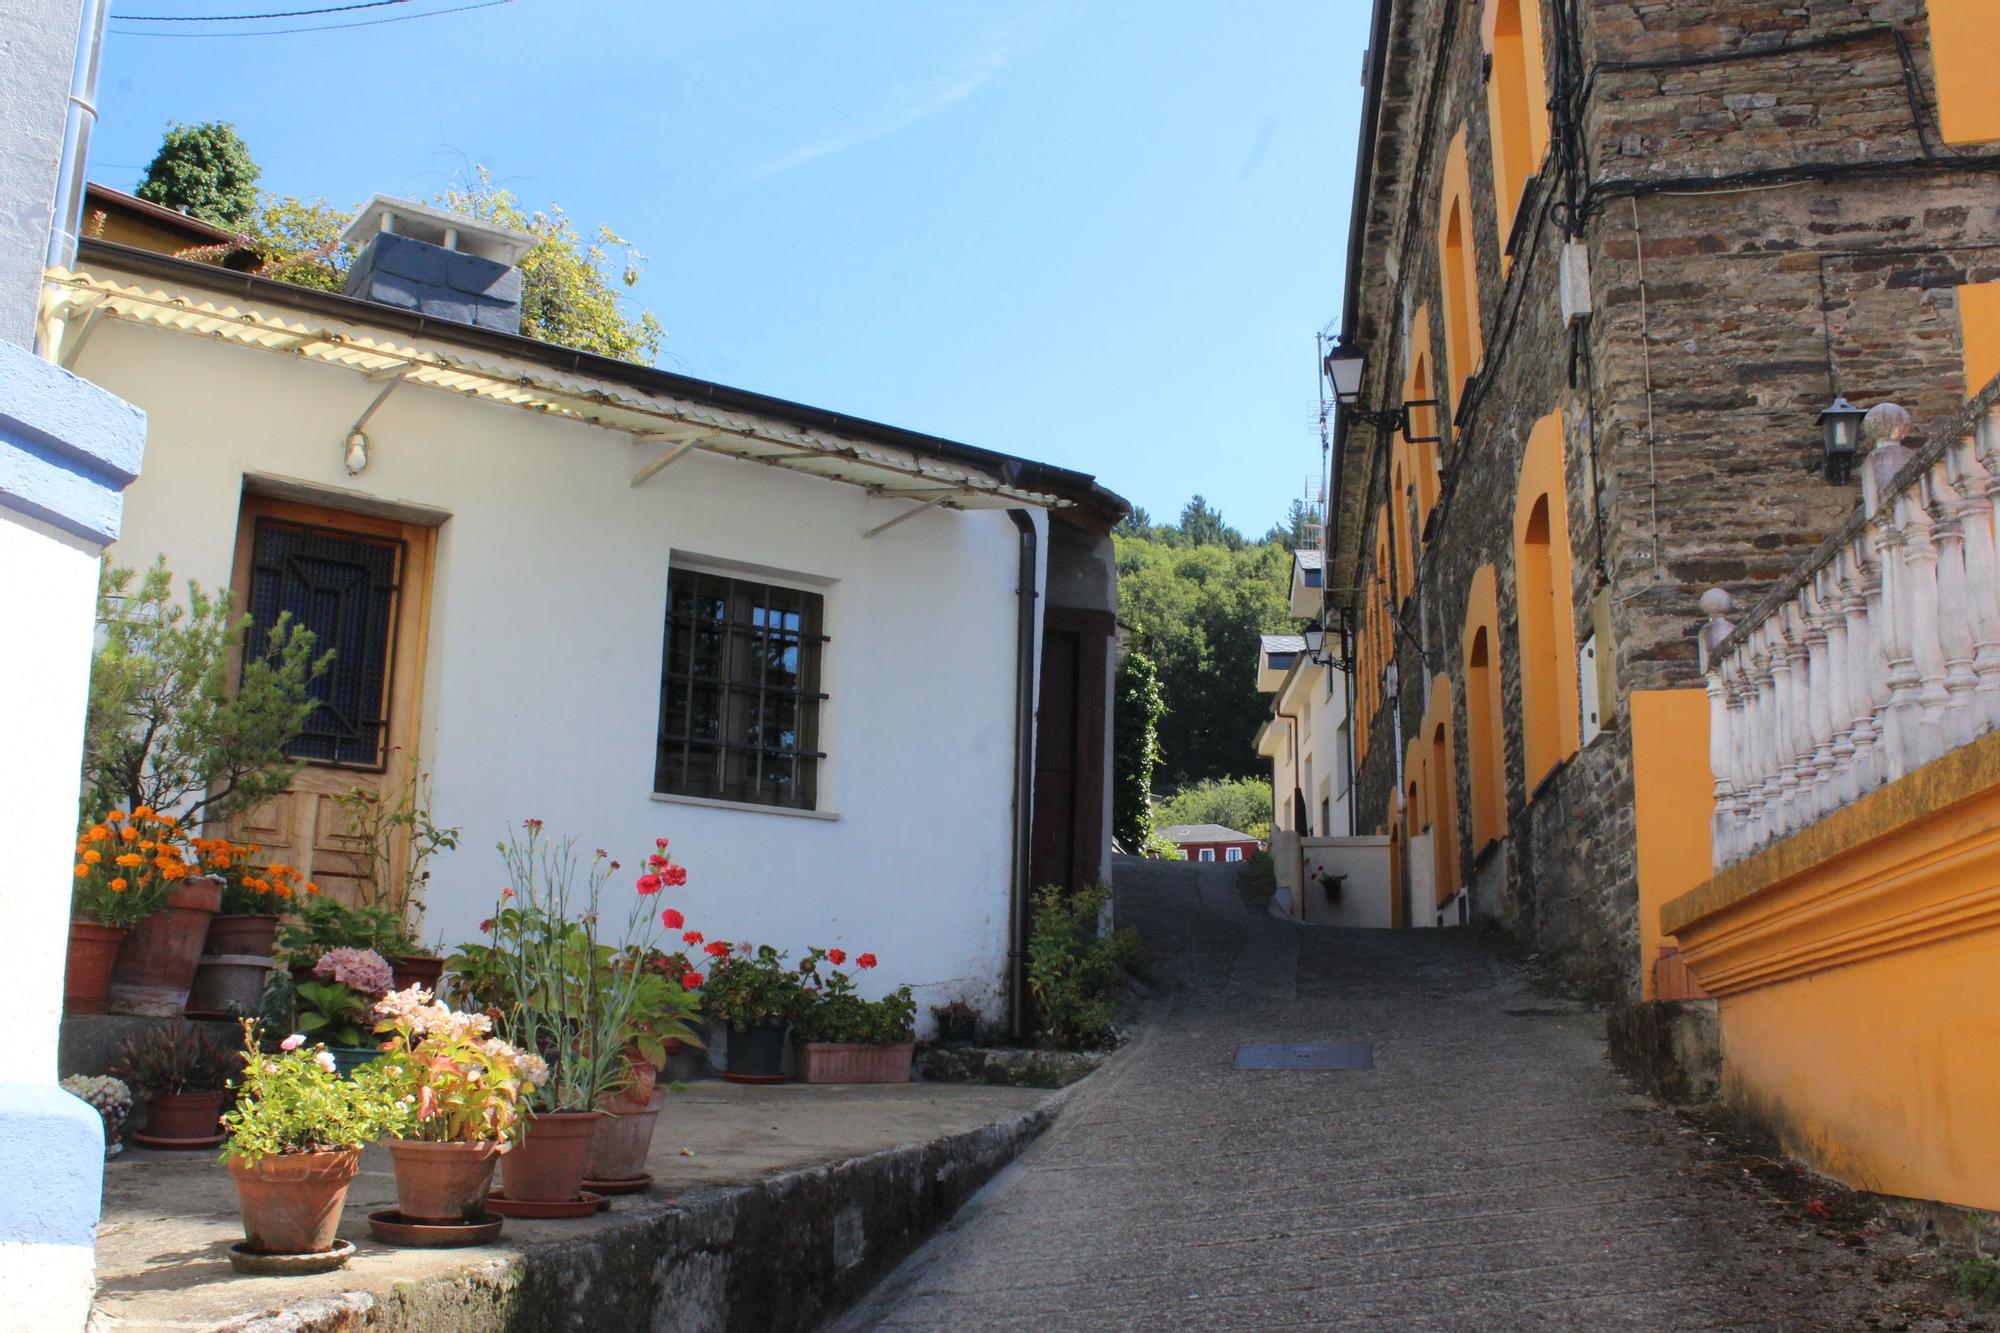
(1099,234)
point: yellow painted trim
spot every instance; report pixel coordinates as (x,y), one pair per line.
(1438,739)
(1420,383)
(1517,115)
(1485,727)
(1551,727)
(1979,331)
(1965,35)
(1458,272)
(1673,801)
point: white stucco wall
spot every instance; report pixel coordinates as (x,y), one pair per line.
(542,680)
(1365,895)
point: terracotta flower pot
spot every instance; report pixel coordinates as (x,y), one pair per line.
(618,1152)
(92,950)
(156,963)
(185,1115)
(847,1062)
(546,1165)
(291,1202)
(249,933)
(417,969)
(229,983)
(644,1076)
(443,1182)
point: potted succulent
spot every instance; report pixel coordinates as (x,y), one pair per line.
(461,1091)
(107,1096)
(184,1078)
(552,986)
(842,1038)
(294,1144)
(116,886)
(337,1005)
(752,992)
(166,732)
(395,840)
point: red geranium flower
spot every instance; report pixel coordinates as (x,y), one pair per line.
(865,960)
(486,926)
(657,861)
(836,956)
(717,949)
(690,980)
(672,919)
(692,937)
(675,876)
(649,884)
(661,843)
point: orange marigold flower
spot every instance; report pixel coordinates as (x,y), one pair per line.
(119,885)
(91,857)
(170,821)
(130,859)
(311,888)
(98,833)
(129,833)
(114,816)
(143,812)
(81,871)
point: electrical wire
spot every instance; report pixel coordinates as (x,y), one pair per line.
(247,18)
(323,27)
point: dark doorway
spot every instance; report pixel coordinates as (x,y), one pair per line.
(1067,840)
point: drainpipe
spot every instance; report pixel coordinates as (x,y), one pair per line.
(1024,775)
(81,115)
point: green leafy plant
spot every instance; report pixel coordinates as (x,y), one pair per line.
(1136,711)
(750,986)
(163,1061)
(834,1012)
(453,1080)
(324,924)
(335,1013)
(381,828)
(164,728)
(663,1009)
(126,865)
(1243,804)
(205,169)
(554,987)
(293,1100)
(1075,968)
(1977,1278)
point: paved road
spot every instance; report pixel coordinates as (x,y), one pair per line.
(1489,1172)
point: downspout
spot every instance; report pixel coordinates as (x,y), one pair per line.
(1024,760)
(81,114)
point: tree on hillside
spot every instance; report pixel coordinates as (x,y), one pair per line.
(1203,526)
(1296,532)
(1243,804)
(205,169)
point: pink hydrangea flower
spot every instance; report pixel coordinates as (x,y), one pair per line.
(293,1042)
(362,969)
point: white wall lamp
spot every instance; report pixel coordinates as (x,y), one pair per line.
(357,452)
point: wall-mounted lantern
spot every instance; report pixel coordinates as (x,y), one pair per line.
(1345,365)
(1840,429)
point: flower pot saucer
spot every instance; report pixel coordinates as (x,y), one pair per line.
(582,1206)
(157,1141)
(756,1078)
(622,1185)
(246,1260)
(392,1228)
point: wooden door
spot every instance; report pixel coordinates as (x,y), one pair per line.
(361,584)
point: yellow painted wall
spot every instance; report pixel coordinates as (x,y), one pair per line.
(1485,728)
(1979,326)
(1673,800)
(1965,35)
(1551,723)
(1884,1074)
(1458,273)
(1516,101)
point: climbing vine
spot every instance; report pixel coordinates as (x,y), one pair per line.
(1136,714)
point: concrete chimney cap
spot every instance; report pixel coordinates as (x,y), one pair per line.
(451,231)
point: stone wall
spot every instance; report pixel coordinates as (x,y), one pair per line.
(1723,323)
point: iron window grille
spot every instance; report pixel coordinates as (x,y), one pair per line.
(739,692)
(345,587)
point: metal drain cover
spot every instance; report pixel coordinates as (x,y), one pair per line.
(1305,1055)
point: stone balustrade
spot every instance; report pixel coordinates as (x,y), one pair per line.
(1881,654)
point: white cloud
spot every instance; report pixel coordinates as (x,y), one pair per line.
(998,47)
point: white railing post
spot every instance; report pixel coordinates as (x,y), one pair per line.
(1721,760)
(1975,482)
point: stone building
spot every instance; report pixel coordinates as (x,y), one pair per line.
(1609,262)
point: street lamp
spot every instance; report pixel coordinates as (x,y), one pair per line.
(1840,425)
(1345,364)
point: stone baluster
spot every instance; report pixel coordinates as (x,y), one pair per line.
(1798,714)
(1783,787)
(1917,579)
(1762,791)
(1742,752)
(1974,482)
(1831,693)
(1716,603)
(1955,643)
(1851,568)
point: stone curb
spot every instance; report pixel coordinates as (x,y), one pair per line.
(778,1255)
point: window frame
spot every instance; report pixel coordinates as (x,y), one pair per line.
(810,754)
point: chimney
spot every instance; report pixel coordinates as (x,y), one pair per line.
(444,265)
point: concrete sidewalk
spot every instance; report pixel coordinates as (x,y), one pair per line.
(1489,1172)
(169,1218)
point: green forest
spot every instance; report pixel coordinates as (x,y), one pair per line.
(1197,594)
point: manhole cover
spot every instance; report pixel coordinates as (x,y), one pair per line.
(1305,1055)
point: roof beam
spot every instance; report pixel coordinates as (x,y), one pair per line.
(664,461)
(906,516)
(75,349)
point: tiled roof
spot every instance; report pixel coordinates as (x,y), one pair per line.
(1309,559)
(1284,643)
(1203,833)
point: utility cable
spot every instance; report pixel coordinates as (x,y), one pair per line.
(323,27)
(247,18)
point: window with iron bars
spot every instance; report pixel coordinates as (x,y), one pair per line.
(739,692)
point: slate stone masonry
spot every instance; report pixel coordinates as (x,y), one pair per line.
(410,274)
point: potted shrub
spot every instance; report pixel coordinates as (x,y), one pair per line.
(165,732)
(395,839)
(751,991)
(462,1092)
(337,1006)
(549,980)
(664,1006)
(253,896)
(294,1144)
(183,1077)
(842,1038)
(320,924)
(116,886)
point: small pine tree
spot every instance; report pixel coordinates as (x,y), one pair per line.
(207,170)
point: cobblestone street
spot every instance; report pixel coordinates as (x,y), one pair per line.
(1490,1171)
